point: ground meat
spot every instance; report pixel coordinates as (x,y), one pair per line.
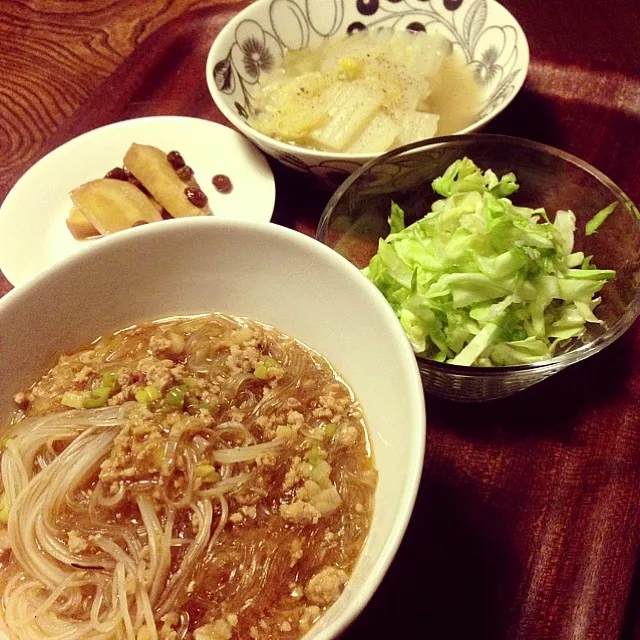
(169,622)
(299,471)
(297,591)
(325,499)
(346,435)
(253,494)
(133,456)
(76,544)
(83,375)
(236,414)
(180,373)
(121,397)
(300,512)
(137,450)
(157,372)
(249,512)
(221,629)
(22,399)
(295,419)
(309,616)
(326,586)
(332,408)
(243,359)
(296,551)
(5,545)
(159,344)
(145,634)
(267,459)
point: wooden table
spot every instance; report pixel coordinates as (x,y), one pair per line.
(528,520)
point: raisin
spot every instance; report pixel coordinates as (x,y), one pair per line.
(117,173)
(175,160)
(185,173)
(196,197)
(222,183)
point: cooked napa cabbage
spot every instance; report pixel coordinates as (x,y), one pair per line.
(365,93)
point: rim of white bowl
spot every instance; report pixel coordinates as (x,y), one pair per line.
(360,597)
(303,152)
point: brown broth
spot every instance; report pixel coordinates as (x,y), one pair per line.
(252,570)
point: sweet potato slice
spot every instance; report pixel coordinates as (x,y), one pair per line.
(151,167)
(113,205)
(79,225)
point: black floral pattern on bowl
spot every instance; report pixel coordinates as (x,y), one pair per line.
(255,52)
(495,52)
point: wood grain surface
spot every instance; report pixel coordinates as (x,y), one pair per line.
(55,55)
(527,525)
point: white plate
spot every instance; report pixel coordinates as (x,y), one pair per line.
(33,233)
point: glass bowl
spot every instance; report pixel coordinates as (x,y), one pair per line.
(356,217)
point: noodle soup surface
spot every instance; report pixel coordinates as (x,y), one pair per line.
(204,478)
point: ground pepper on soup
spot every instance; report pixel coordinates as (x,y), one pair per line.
(203,477)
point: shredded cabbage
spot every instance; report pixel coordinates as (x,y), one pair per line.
(481,281)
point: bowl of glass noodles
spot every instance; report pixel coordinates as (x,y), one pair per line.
(196,446)
(504,260)
(324,87)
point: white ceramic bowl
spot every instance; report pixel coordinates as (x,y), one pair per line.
(266,272)
(488,36)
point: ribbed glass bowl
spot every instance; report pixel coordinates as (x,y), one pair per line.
(356,217)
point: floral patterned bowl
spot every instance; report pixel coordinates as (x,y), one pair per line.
(252,44)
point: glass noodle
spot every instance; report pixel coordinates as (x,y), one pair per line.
(170,509)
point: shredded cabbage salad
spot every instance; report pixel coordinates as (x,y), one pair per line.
(481,281)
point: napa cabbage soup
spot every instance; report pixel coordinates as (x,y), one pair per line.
(367,93)
(200,477)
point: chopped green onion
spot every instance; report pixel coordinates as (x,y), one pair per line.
(594,224)
(175,397)
(148,394)
(93,398)
(315,455)
(320,472)
(97,398)
(109,379)
(329,429)
(158,455)
(204,406)
(262,368)
(154,392)
(5,442)
(72,399)
(207,472)
(261,371)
